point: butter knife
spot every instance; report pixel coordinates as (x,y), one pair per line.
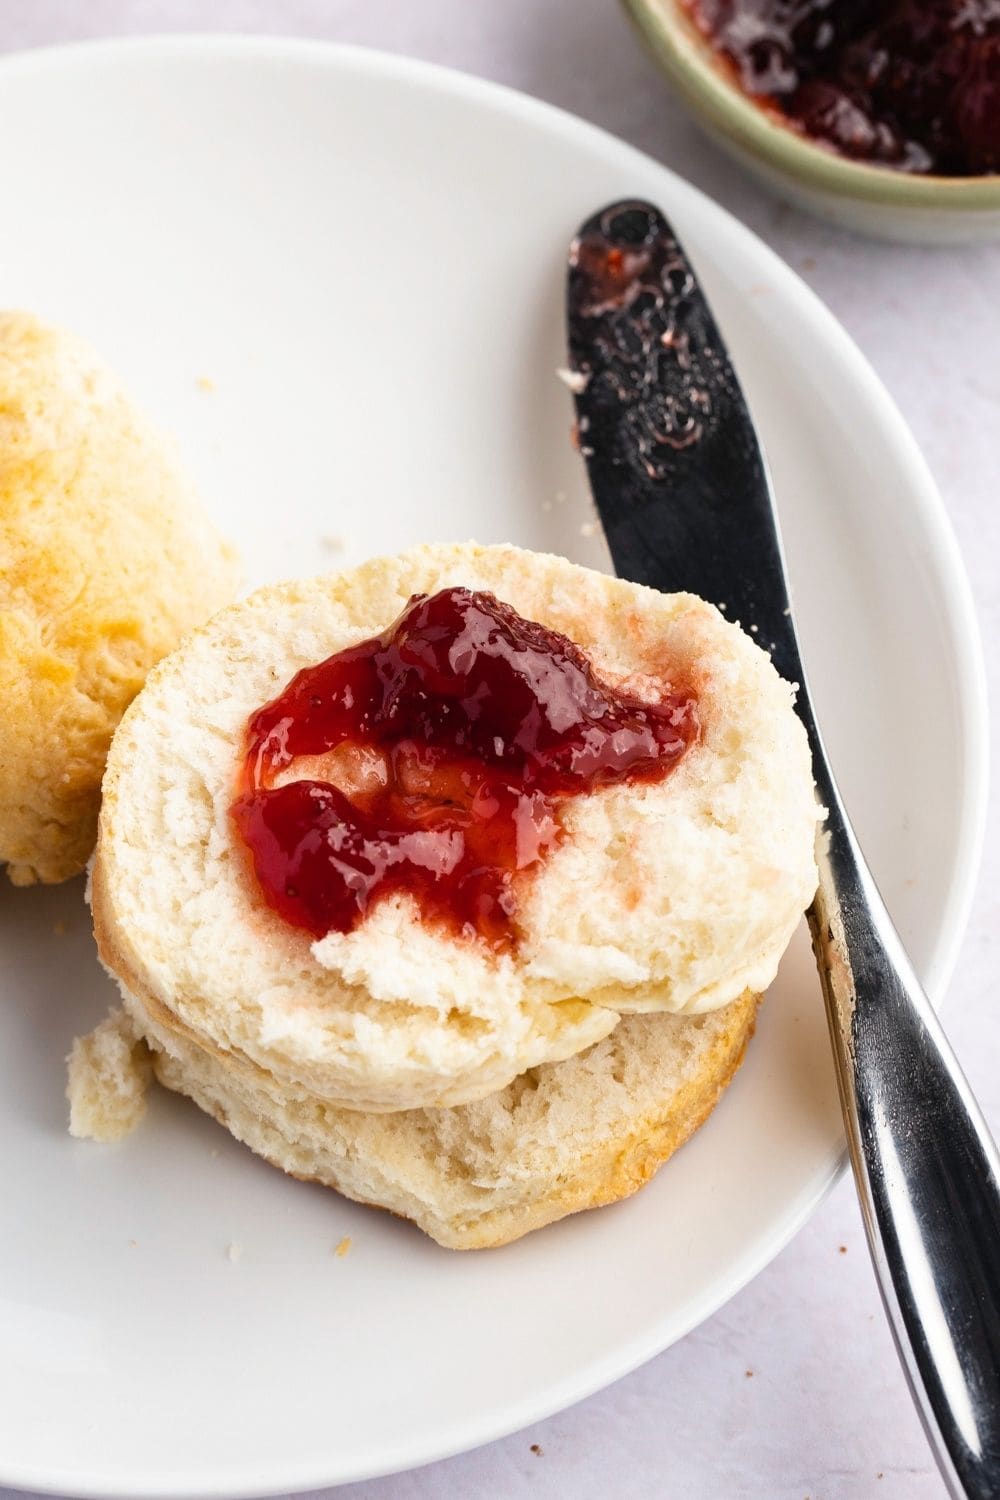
(684,497)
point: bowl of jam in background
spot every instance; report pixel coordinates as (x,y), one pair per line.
(882,115)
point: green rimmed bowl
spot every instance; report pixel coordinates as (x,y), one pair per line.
(871,200)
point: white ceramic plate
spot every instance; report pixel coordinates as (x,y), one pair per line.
(365,257)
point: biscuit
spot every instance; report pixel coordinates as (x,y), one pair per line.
(564,1137)
(678,895)
(105,561)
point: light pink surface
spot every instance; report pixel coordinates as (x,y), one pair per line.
(792,1392)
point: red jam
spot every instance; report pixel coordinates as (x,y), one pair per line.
(613,275)
(910,84)
(447,744)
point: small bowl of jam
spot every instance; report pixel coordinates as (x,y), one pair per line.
(883,115)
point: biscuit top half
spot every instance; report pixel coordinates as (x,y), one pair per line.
(671,893)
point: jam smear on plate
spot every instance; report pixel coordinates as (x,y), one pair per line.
(908,84)
(433,759)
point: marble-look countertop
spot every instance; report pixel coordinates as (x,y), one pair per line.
(793,1390)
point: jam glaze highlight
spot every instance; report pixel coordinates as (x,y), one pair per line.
(435,756)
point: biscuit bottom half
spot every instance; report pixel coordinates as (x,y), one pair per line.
(562,1137)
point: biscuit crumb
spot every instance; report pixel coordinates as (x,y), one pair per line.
(749,1374)
(205,383)
(574,380)
(59,929)
(333,542)
(843,1249)
(133,1243)
(589,528)
(108,1077)
(342,1247)
(234,1250)
(537,1450)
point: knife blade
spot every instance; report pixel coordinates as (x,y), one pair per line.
(684,496)
(660,413)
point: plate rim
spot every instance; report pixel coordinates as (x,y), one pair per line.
(927,505)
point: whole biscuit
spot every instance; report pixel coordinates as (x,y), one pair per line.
(105,562)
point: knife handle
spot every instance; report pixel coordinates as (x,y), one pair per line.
(927,1169)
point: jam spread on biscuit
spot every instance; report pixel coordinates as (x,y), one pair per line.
(431,760)
(909,84)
